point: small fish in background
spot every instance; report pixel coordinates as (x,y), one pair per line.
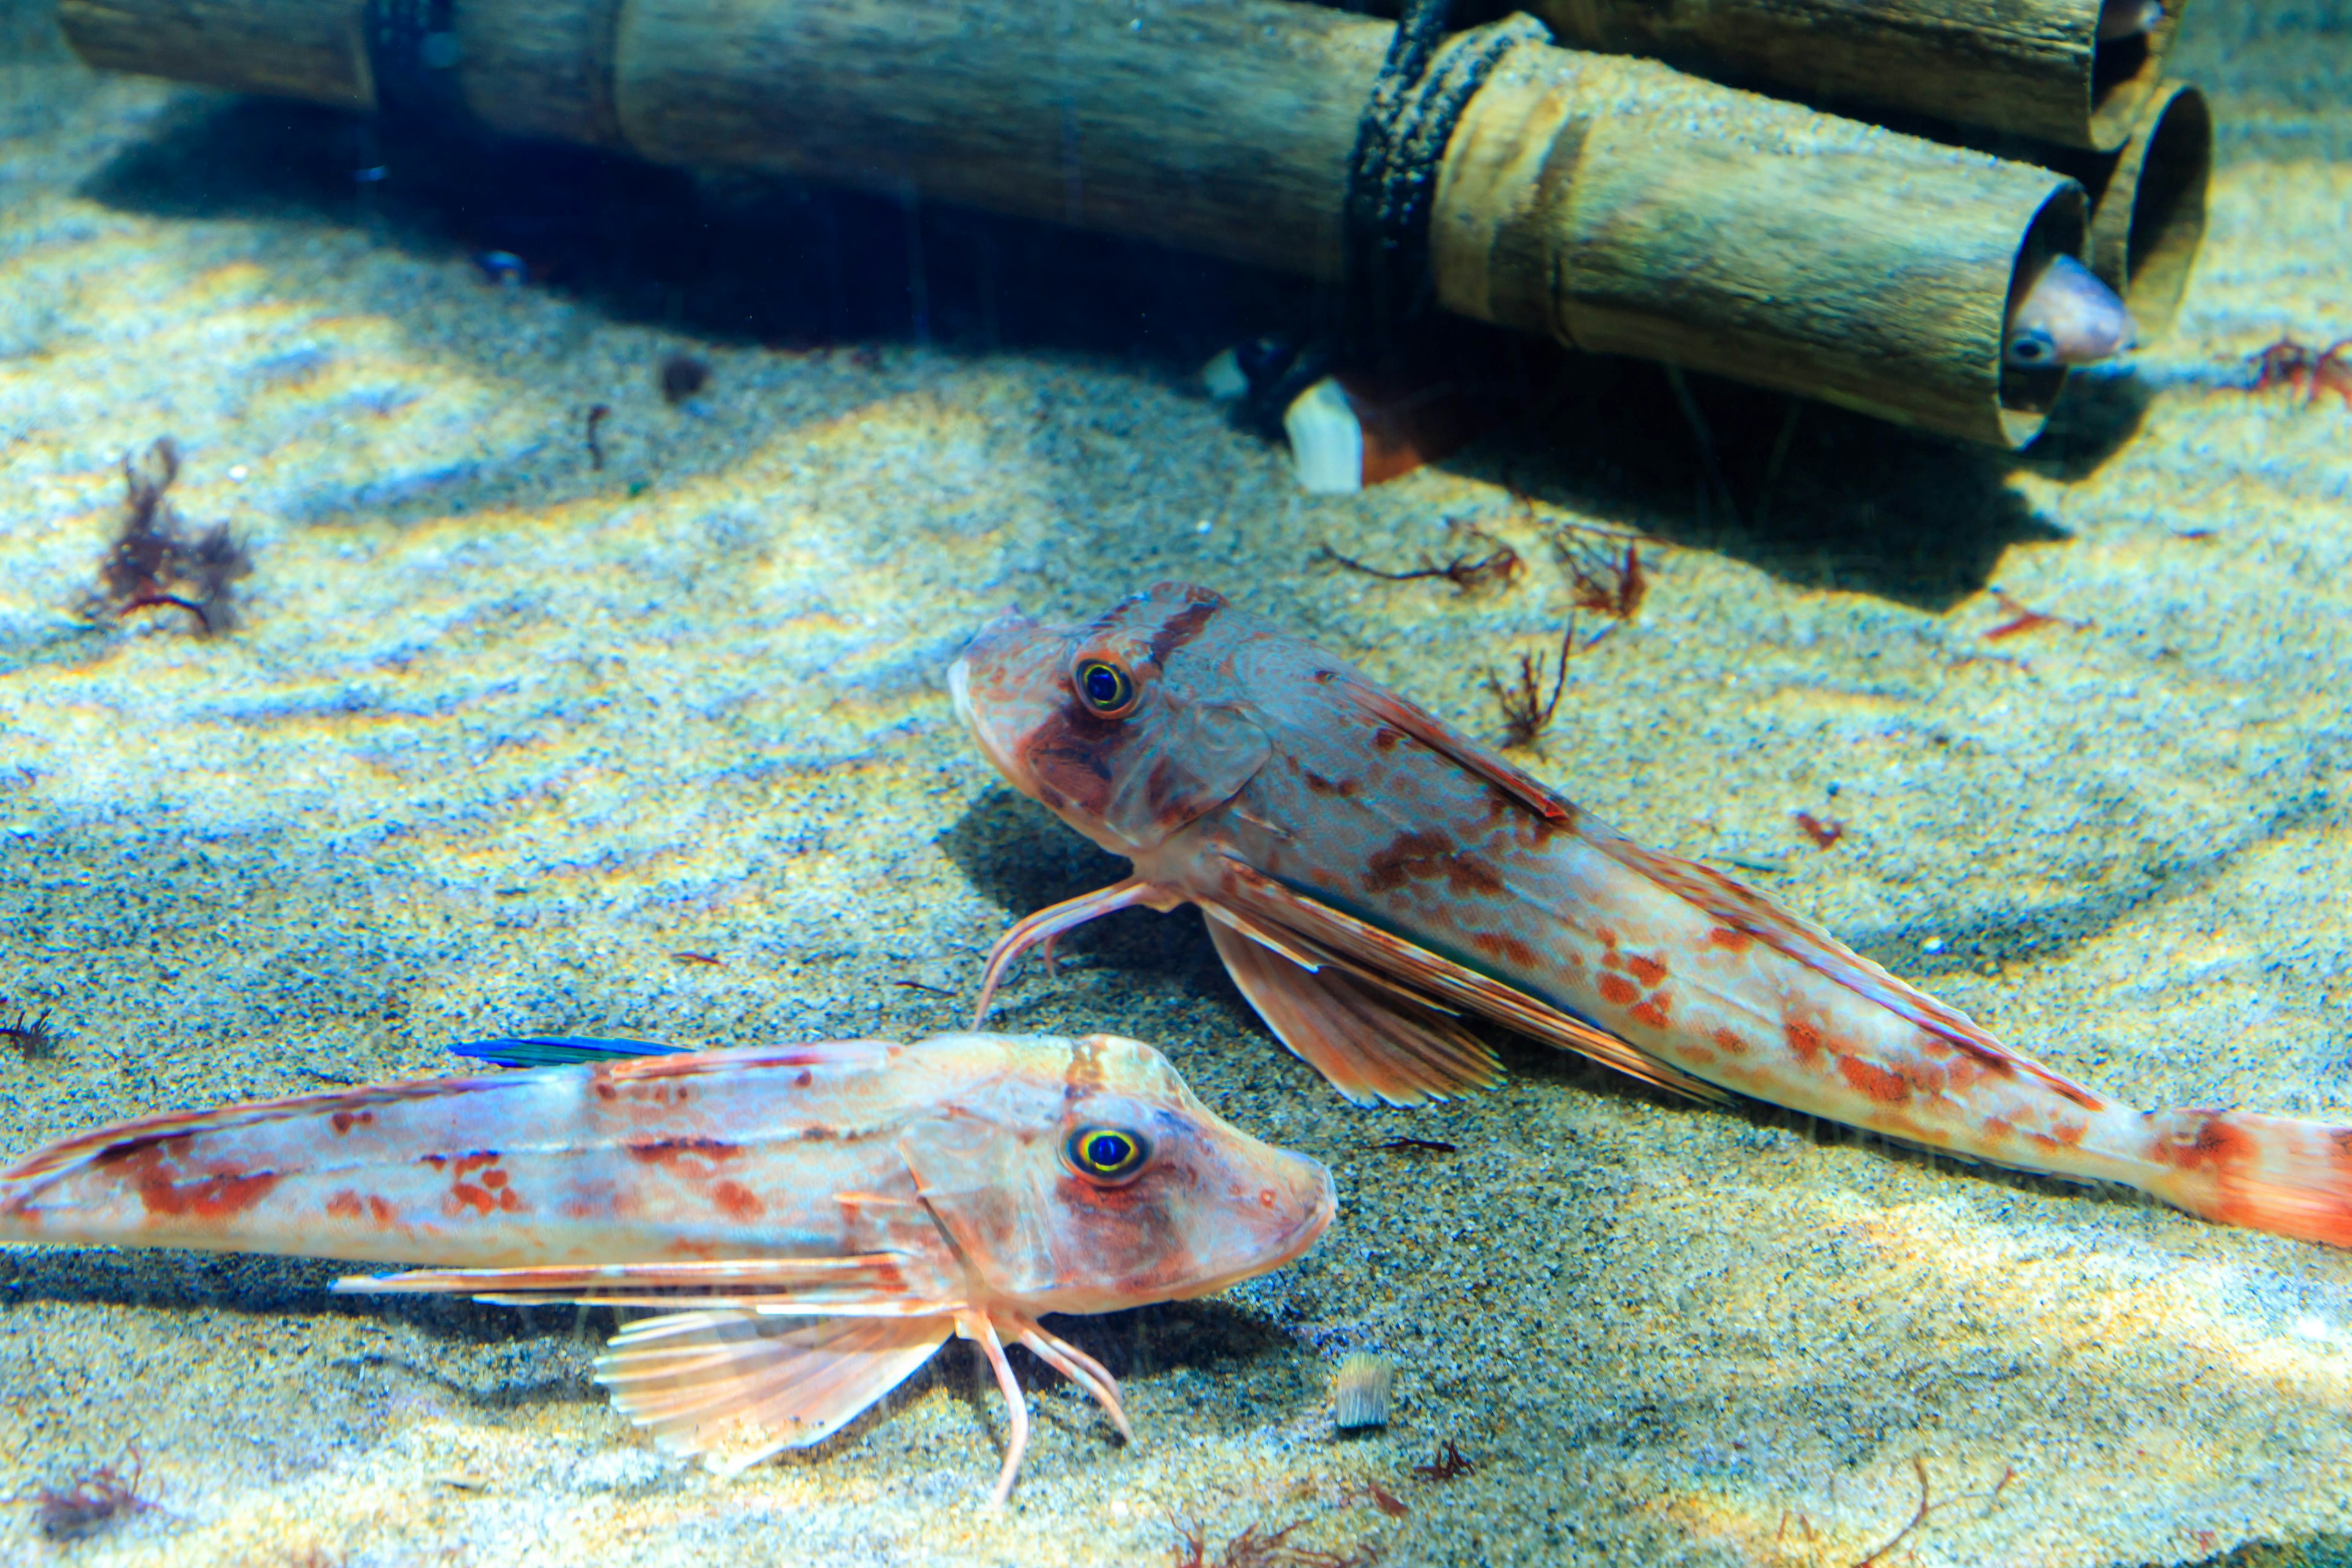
(1361,1387)
(1369,875)
(1349,429)
(810,1221)
(2067,317)
(2121,19)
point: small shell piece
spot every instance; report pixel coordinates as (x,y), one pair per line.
(1360,1390)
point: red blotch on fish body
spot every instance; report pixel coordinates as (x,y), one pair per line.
(670,1151)
(379,1211)
(1604,936)
(1344,788)
(606,1091)
(1998,1128)
(494,1178)
(1648,971)
(1618,991)
(345,1121)
(1386,738)
(1503,948)
(803,1079)
(1727,1041)
(1651,1011)
(1803,1039)
(1883,1086)
(1728,939)
(2069,1133)
(212,1195)
(344,1204)
(737,1202)
(475,1161)
(464,1195)
(2217,1146)
(1427,856)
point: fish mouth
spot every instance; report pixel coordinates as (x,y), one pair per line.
(960,693)
(1289,1246)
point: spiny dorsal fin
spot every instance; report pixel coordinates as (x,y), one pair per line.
(557,1050)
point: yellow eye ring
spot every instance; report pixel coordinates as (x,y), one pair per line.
(1107,1153)
(1107,689)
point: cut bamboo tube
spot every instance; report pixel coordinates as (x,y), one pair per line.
(1624,208)
(2147,216)
(2024,67)
(1615,204)
(285,48)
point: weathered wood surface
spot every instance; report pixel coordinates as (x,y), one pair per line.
(309,49)
(1626,208)
(2025,67)
(1220,125)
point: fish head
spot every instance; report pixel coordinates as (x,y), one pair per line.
(1128,727)
(1084,1177)
(2066,317)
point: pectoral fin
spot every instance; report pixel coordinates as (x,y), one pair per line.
(734,1387)
(1250,899)
(872,1284)
(1372,1043)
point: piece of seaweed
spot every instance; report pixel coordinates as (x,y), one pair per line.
(155,562)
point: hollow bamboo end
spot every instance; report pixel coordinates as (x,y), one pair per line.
(2060,228)
(2128,78)
(2151,216)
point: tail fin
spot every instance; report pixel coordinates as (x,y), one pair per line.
(2266,1173)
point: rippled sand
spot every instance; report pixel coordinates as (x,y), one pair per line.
(502,733)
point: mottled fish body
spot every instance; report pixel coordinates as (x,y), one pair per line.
(815,1220)
(1368,874)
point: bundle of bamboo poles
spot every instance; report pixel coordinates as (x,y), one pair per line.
(1612,203)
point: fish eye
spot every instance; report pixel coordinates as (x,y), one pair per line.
(1107,1153)
(2029,348)
(1106,689)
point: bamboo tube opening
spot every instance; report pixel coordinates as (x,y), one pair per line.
(2027,395)
(2124,75)
(2150,216)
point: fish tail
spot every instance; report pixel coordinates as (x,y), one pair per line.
(2274,1173)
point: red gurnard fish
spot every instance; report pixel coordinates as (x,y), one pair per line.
(812,1221)
(1369,875)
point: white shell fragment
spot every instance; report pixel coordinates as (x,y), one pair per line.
(1327,440)
(1360,1389)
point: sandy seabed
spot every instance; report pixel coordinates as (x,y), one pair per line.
(500,733)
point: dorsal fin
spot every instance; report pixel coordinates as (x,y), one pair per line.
(1427,728)
(557,1050)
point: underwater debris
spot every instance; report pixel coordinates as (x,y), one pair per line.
(1919,1515)
(1822,833)
(87,1504)
(29,1036)
(708,960)
(2021,620)
(919,985)
(1416,1145)
(1361,1388)
(1452,1464)
(1496,567)
(683,376)
(1603,582)
(597,413)
(1387,1501)
(2308,371)
(1256,1547)
(153,563)
(1526,715)
(503,268)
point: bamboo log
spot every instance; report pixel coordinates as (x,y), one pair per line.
(286,49)
(2024,67)
(2149,214)
(1624,207)
(1611,203)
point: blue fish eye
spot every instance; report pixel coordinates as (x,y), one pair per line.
(1107,691)
(1107,1153)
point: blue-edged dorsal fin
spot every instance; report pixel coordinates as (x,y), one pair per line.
(558,1050)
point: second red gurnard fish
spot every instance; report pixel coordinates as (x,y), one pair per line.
(1369,875)
(809,1222)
